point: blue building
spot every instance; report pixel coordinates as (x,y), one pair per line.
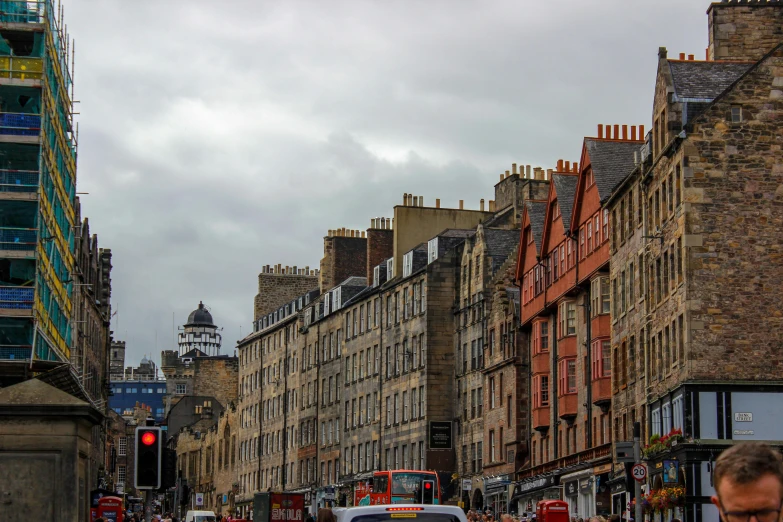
(138,386)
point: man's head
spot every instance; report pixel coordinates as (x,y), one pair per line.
(748,480)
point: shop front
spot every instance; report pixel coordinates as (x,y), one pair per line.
(325,497)
(496,493)
(621,497)
(528,493)
(588,492)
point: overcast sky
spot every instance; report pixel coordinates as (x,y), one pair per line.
(220,136)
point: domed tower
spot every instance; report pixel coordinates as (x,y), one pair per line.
(200,333)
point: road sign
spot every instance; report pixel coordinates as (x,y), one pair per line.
(639,472)
(199,499)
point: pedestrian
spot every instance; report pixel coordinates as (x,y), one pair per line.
(505,517)
(326,515)
(748,480)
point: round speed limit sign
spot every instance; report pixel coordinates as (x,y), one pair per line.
(639,472)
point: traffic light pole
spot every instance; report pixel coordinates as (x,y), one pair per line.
(147,505)
(637,456)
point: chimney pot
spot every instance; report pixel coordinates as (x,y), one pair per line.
(502,177)
(513,168)
(461,204)
(560,165)
(567,166)
(707,54)
(691,57)
(528,170)
(576,166)
(600,130)
(616,131)
(548,174)
(481,205)
(682,56)
(641,132)
(363,235)
(633,132)
(437,203)
(491,205)
(625,132)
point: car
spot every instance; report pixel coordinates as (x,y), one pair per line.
(395,512)
(200,516)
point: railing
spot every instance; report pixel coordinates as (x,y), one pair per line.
(23,11)
(16,297)
(15,351)
(19,124)
(19,180)
(18,238)
(21,68)
(585,456)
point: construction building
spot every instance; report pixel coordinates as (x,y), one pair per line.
(38,219)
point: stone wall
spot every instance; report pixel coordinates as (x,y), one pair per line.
(344,257)
(380,246)
(515,189)
(733,192)
(276,289)
(742,30)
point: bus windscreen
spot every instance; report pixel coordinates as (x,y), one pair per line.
(408,483)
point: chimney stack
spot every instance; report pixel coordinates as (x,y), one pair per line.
(437,203)
(600,131)
(513,168)
(461,204)
(481,205)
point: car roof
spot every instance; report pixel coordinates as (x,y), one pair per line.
(349,513)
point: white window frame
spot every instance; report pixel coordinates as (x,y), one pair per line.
(407,264)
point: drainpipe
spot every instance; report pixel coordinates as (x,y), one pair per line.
(382,465)
(589,370)
(553,382)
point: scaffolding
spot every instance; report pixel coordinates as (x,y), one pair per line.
(36,108)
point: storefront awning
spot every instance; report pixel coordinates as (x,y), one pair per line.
(531,485)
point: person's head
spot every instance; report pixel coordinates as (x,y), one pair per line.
(505,517)
(616,518)
(748,479)
(326,515)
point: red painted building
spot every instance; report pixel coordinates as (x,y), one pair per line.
(562,271)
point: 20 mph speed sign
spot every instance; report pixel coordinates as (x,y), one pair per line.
(639,472)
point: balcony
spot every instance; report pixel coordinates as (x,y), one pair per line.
(18,239)
(23,11)
(18,181)
(16,300)
(540,418)
(20,68)
(567,407)
(19,127)
(602,393)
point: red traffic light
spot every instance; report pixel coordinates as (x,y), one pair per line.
(427,485)
(148,438)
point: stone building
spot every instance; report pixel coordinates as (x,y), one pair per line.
(696,226)
(119,462)
(207,460)
(117,360)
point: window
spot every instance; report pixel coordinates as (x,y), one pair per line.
(181,388)
(121,474)
(589,236)
(491,393)
(601,358)
(567,318)
(567,376)
(122,446)
(492,445)
(540,391)
(666,418)
(540,337)
(736,114)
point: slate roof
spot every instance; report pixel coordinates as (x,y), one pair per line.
(354,281)
(37,392)
(500,244)
(565,186)
(537,212)
(611,161)
(704,80)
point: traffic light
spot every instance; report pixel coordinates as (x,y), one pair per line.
(169,468)
(149,453)
(428,492)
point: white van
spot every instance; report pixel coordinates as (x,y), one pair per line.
(388,513)
(200,516)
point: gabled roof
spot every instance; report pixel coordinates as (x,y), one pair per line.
(37,392)
(704,80)
(195,352)
(611,162)
(500,243)
(565,186)
(536,210)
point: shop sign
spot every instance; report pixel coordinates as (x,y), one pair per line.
(671,469)
(571,488)
(584,485)
(466,485)
(496,485)
(743,417)
(744,432)
(440,434)
(539,483)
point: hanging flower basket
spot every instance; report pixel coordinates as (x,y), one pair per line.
(660,444)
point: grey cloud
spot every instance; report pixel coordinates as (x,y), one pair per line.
(217,137)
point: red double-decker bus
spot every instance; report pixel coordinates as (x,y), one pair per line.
(401,487)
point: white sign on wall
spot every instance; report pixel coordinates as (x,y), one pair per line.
(466,484)
(743,417)
(199,499)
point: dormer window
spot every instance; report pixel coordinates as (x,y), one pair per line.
(389,268)
(407,264)
(327,302)
(432,250)
(376,276)
(336,299)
